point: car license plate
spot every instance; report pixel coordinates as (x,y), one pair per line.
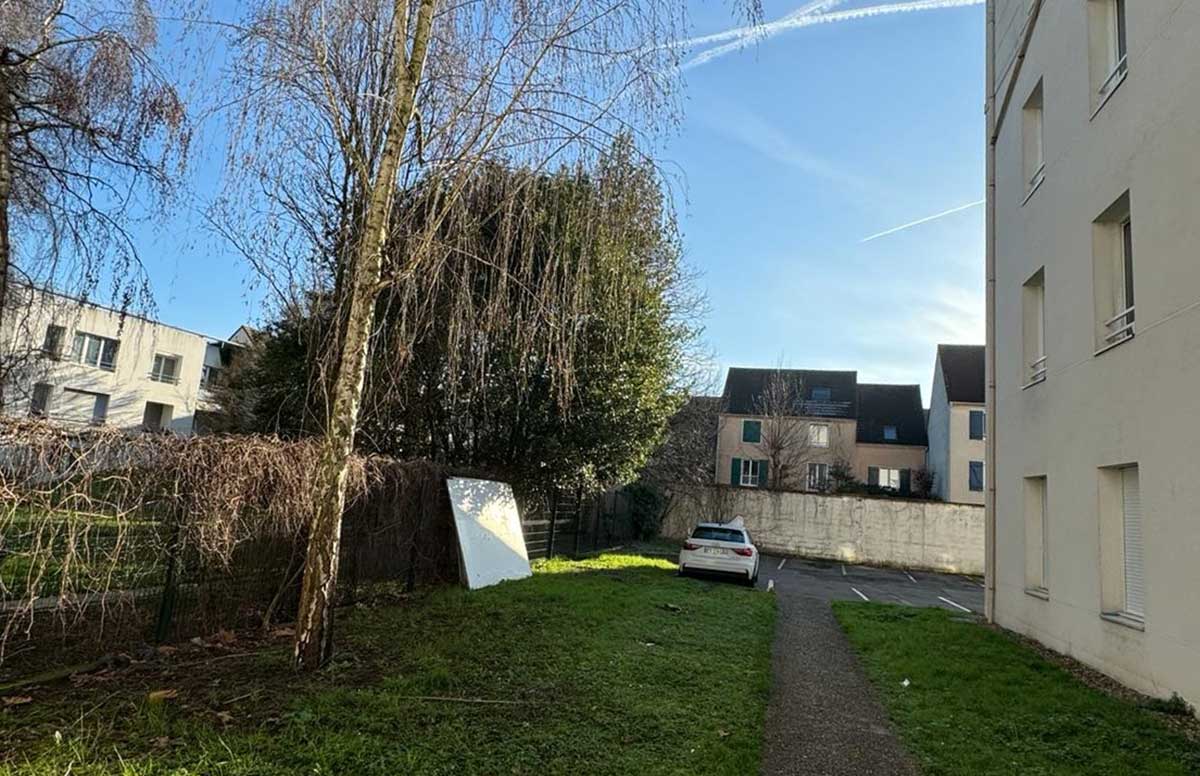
(713,551)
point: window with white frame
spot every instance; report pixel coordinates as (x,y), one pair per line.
(1033,302)
(1135,552)
(1032,134)
(1108,47)
(1037,543)
(1123,567)
(818,435)
(94,350)
(818,476)
(887,478)
(165,369)
(751,473)
(1113,275)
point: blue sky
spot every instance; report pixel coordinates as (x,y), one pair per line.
(793,150)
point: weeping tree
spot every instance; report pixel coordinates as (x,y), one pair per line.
(446,391)
(347,104)
(91,131)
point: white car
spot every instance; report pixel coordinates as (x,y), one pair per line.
(720,548)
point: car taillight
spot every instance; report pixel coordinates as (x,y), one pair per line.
(690,546)
(745,552)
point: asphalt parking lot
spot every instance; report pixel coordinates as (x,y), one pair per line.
(834,581)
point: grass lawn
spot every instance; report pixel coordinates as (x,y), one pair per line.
(606,666)
(979,702)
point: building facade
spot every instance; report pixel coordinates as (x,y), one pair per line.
(813,422)
(958,424)
(1094,333)
(82,364)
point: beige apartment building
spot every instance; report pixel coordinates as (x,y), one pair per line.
(1094,333)
(958,424)
(824,418)
(83,364)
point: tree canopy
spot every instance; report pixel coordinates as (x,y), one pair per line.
(463,359)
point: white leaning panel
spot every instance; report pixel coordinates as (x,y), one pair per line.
(489,531)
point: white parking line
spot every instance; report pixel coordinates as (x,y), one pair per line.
(860,594)
(972,580)
(957,606)
(843,569)
(781,564)
(910,577)
(770,585)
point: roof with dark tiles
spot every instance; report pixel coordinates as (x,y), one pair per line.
(963,369)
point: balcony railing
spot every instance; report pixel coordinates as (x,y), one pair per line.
(1038,176)
(160,377)
(1037,369)
(1115,77)
(1120,326)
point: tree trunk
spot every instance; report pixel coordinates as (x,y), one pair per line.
(314,627)
(5,195)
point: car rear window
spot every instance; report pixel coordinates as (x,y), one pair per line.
(719,534)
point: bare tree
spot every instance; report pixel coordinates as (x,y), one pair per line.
(786,439)
(89,126)
(361,124)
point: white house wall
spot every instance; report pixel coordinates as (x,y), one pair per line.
(128,385)
(939,433)
(1136,403)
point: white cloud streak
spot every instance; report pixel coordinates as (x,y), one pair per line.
(807,16)
(925,220)
(812,8)
(753,131)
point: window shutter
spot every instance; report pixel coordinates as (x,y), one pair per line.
(975,475)
(762,474)
(735,473)
(873,475)
(905,482)
(1135,582)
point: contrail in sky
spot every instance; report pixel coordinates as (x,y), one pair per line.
(925,220)
(741,33)
(807,16)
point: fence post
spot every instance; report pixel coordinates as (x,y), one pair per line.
(578,515)
(596,506)
(170,594)
(553,518)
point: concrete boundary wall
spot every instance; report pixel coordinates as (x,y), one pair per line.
(854,529)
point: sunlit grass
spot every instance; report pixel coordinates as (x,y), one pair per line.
(978,702)
(611,665)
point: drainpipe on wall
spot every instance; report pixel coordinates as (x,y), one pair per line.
(996,113)
(989,533)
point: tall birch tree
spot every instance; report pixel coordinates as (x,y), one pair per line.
(345,105)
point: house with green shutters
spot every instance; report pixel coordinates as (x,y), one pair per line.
(788,429)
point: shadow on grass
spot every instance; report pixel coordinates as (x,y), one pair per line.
(611,665)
